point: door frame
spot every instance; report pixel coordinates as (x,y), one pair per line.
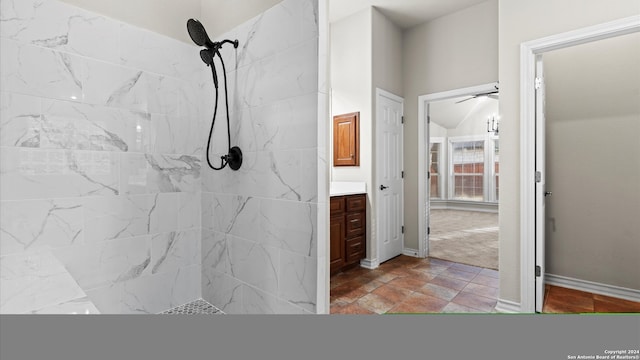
(382,93)
(528,144)
(423,155)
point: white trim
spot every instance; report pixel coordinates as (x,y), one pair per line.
(593,287)
(441,166)
(382,93)
(410,252)
(528,52)
(423,139)
(369,264)
(506,306)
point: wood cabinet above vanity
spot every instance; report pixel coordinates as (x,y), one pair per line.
(348,231)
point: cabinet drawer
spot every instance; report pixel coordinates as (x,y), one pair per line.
(356,202)
(354,225)
(355,249)
(336,205)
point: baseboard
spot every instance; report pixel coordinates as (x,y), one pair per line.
(410,252)
(369,263)
(509,307)
(593,287)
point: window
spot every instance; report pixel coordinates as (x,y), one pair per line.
(435,166)
(467,165)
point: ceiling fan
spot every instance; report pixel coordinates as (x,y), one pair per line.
(491,94)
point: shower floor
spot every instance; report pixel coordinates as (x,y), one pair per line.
(197,307)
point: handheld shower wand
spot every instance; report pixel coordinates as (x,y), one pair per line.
(199,36)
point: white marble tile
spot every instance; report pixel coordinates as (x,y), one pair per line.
(189,214)
(31,281)
(222,291)
(37,224)
(70,125)
(173,173)
(116,86)
(36,174)
(282,125)
(162,94)
(186,285)
(114,217)
(215,251)
(147,294)
(271,32)
(104,263)
(284,75)
(37,71)
(290,226)
(236,215)
(163,213)
(309,179)
(174,250)
(254,263)
(56,25)
(134,172)
(81,305)
(149,51)
(255,301)
(107,299)
(298,280)
(282,174)
(20,119)
(176,135)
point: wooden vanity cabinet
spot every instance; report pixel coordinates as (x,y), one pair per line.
(348,231)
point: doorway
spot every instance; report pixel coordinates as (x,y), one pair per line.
(459,175)
(537,168)
(389,175)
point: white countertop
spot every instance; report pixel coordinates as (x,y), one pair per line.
(338,188)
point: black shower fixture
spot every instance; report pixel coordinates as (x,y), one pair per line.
(199,36)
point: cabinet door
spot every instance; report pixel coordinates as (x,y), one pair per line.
(346,140)
(337,255)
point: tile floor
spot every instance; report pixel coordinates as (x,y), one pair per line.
(411,285)
(562,300)
(197,307)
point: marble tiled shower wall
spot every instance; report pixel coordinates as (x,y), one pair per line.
(101,134)
(260,223)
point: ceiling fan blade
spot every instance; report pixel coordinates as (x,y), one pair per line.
(467,99)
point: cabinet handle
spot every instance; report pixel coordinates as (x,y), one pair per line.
(354,220)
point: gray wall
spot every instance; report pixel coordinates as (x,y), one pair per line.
(593,161)
(455,51)
(520,21)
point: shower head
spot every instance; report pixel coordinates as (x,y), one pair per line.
(207,56)
(199,34)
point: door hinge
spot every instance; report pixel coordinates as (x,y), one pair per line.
(402,119)
(428,119)
(428,174)
(402,229)
(402,174)
(538,271)
(538,176)
(428,230)
(538,83)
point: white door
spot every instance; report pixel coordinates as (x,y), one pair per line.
(540,184)
(389,175)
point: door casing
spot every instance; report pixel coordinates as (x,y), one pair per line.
(529,51)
